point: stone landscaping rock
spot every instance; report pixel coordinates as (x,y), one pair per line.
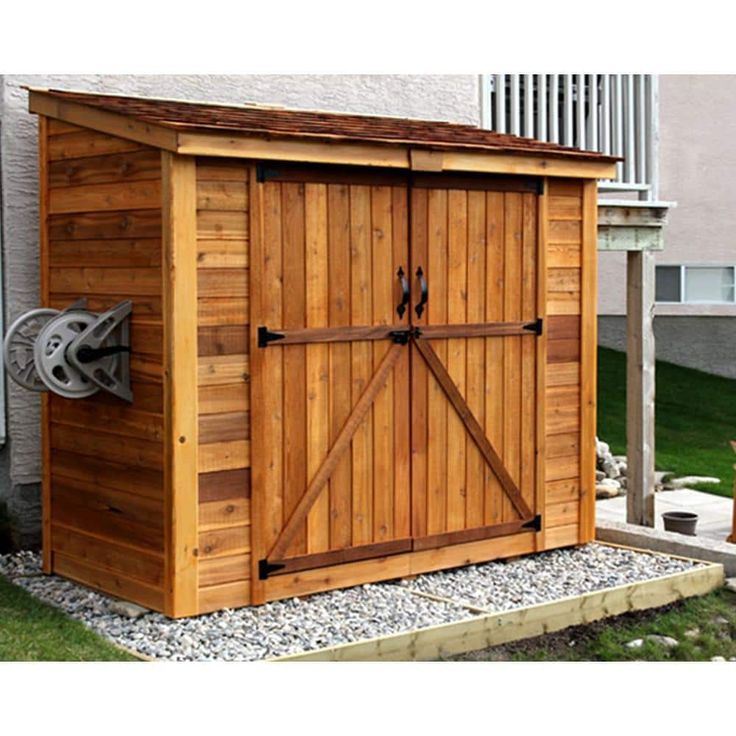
(667,642)
(717,659)
(599,475)
(730,584)
(610,467)
(127,609)
(688,481)
(692,634)
(662,476)
(635,644)
(603,490)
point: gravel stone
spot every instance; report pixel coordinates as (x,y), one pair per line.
(343,616)
(635,644)
(668,642)
(501,586)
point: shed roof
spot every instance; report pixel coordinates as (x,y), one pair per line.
(274,122)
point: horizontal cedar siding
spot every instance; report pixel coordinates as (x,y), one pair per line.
(106,456)
(562,422)
(223,378)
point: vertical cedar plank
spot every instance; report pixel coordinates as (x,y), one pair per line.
(43,208)
(541,388)
(361,355)
(528,349)
(512,347)
(383,441)
(588,359)
(475,352)
(435,265)
(338,207)
(180,384)
(420,416)
(266,287)
(317,302)
(457,272)
(401,386)
(296,437)
(494,348)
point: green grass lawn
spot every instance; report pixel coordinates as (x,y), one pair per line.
(33,631)
(704,627)
(695,417)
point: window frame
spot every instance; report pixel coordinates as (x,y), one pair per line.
(683,283)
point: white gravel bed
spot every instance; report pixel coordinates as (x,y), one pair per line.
(343,616)
(274,629)
(548,576)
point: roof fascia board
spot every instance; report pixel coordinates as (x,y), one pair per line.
(102,121)
(203,144)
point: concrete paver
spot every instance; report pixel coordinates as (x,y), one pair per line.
(714,512)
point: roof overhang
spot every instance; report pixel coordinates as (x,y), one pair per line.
(310,149)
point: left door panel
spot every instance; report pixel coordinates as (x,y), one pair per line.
(328,252)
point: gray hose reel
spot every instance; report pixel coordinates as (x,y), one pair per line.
(73,352)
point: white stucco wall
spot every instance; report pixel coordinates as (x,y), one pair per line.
(698,171)
(443,97)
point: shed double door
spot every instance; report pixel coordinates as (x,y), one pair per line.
(396,323)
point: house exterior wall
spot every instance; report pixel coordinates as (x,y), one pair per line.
(697,120)
(702,342)
(444,97)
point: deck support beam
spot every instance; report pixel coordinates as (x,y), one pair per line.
(640,357)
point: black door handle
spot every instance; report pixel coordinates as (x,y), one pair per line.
(404,291)
(425,292)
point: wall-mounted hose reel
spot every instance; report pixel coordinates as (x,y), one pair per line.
(72,352)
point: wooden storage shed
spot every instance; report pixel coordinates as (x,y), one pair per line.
(361,348)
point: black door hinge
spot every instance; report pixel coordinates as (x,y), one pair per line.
(265,336)
(266,568)
(535,327)
(535,523)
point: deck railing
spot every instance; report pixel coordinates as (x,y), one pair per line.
(615,114)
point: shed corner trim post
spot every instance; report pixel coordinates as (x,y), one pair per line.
(179,218)
(588,359)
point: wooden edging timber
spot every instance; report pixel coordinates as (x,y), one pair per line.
(492,629)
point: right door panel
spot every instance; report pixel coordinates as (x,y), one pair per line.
(474,366)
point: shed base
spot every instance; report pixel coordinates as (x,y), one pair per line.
(491,629)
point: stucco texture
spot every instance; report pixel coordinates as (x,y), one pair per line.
(697,121)
(443,97)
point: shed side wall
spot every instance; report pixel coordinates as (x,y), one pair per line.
(223,383)
(104,478)
(563,377)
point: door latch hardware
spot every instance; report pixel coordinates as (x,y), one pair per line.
(265,336)
(535,327)
(266,568)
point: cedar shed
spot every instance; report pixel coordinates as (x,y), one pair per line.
(361,347)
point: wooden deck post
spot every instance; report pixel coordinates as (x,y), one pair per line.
(640,356)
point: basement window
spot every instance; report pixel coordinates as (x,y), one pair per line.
(695,284)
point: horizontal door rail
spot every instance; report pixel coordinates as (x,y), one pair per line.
(334,557)
(397,333)
(476,534)
(482,329)
(324,334)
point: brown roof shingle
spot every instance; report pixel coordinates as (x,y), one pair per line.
(260,120)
